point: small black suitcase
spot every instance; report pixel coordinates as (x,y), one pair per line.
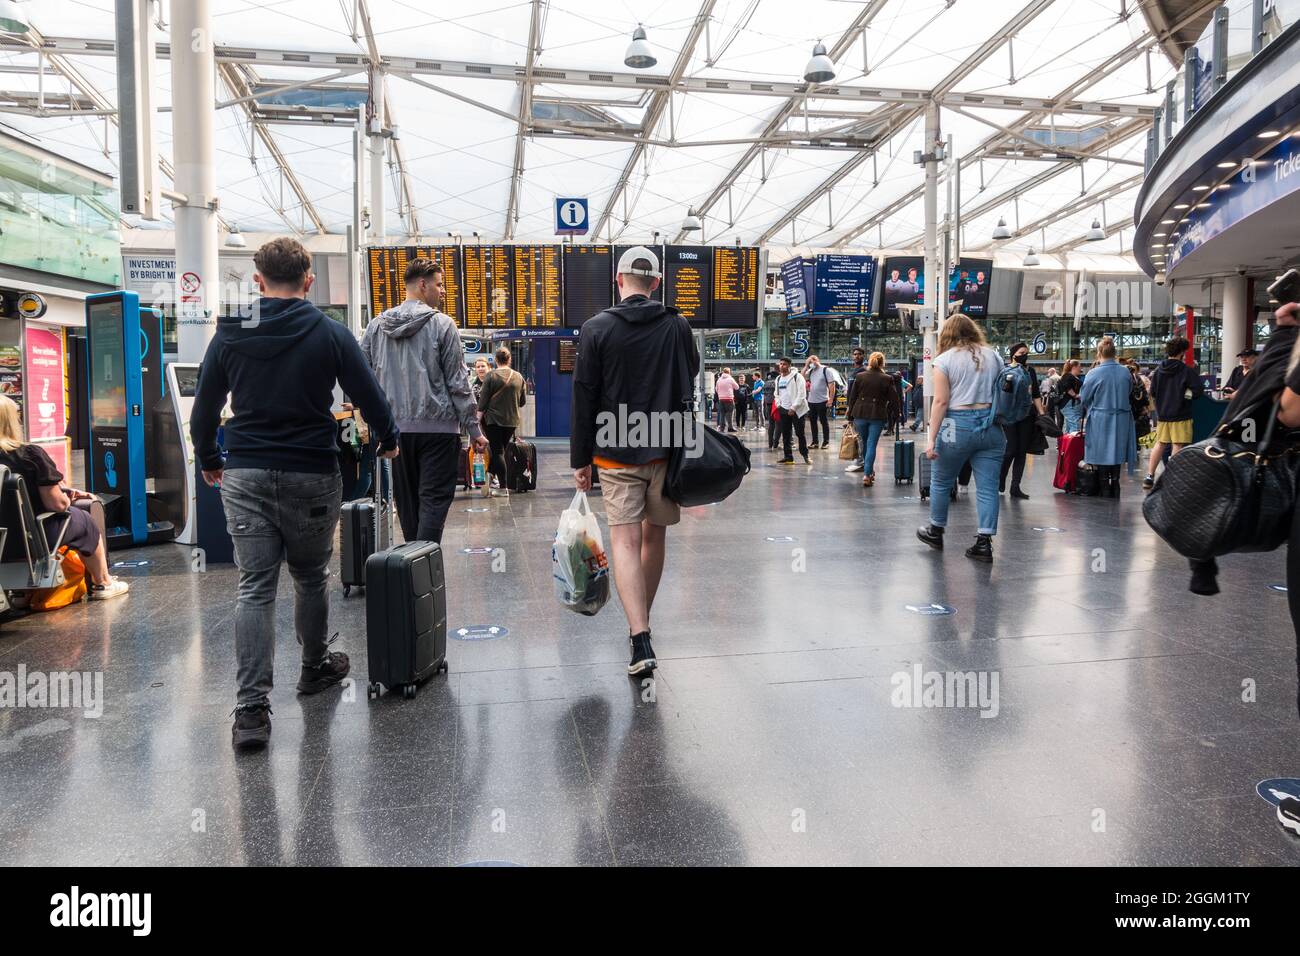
(523,465)
(904,461)
(366,529)
(406,617)
(924,471)
(1087,481)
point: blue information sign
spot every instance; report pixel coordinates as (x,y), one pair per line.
(844,285)
(798,288)
(570,216)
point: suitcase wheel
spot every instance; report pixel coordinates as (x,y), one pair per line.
(373,690)
(347,589)
(408,691)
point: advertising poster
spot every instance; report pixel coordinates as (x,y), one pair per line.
(11,375)
(45,417)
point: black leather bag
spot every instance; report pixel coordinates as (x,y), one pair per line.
(1225,494)
(711,475)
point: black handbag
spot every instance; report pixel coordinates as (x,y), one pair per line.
(710,475)
(1225,494)
(1047,425)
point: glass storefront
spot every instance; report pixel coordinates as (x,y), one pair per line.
(56,219)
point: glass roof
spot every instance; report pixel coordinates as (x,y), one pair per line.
(792,166)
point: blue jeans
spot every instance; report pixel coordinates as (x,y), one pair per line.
(1071,416)
(869,431)
(968,434)
(277,516)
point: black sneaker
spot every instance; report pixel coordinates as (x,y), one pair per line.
(931,535)
(643,655)
(982,549)
(807,460)
(1017,493)
(333,669)
(826,444)
(252,727)
(1288,814)
(1148,483)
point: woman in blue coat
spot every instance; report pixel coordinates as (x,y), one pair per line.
(1109,436)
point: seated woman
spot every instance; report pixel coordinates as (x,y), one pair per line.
(43,486)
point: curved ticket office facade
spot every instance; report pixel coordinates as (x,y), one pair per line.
(1216,217)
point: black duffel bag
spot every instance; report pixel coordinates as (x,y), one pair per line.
(710,476)
(1225,494)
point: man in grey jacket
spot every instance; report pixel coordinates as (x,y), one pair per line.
(415,352)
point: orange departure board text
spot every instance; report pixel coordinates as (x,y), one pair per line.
(735,287)
(388,265)
(489,287)
(688,279)
(537,287)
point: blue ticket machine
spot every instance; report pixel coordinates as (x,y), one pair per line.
(116,466)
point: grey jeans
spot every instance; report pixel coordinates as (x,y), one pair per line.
(276,516)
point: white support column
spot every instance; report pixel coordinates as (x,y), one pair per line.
(932,283)
(378,221)
(1237,316)
(193,116)
(357,232)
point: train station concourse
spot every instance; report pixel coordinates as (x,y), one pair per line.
(691,433)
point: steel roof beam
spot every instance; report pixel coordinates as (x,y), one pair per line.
(964,69)
(655,111)
(375,61)
(525,115)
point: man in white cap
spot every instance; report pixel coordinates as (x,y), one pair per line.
(636,363)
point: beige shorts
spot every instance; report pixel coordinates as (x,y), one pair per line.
(637,492)
(1175,433)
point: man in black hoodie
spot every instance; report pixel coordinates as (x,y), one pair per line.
(635,365)
(280,484)
(1173,386)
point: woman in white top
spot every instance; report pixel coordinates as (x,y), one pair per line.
(966,373)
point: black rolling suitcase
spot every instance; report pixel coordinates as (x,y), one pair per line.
(363,526)
(924,469)
(904,461)
(406,617)
(523,465)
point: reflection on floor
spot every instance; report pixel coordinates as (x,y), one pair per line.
(770,736)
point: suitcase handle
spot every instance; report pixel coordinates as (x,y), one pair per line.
(383,509)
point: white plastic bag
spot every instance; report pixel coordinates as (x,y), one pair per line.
(578,561)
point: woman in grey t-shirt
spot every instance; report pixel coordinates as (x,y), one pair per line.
(965,376)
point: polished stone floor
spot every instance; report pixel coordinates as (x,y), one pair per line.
(787,620)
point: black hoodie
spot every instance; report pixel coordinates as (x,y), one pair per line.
(639,354)
(1169,384)
(280,372)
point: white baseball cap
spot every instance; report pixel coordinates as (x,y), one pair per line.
(627,262)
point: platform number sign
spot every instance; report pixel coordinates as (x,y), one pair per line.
(1040,343)
(800,348)
(733,343)
(570,216)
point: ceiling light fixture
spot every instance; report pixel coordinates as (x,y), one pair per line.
(1000,231)
(1096,233)
(1032,258)
(235,239)
(692,222)
(13,19)
(820,69)
(639,55)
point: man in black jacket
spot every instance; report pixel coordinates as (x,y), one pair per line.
(633,375)
(280,484)
(1173,386)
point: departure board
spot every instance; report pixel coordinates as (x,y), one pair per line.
(588,271)
(688,279)
(736,286)
(489,286)
(657,294)
(388,265)
(845,285)
(537,287)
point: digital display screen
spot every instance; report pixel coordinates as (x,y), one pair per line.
(588,272)
(537,287)
(736,286)
(489,286)
(904,284)
(388,266)
(688,277)
(845,285)
(969,282)
(187,381)
(107,376)
(798,293)
(657,294)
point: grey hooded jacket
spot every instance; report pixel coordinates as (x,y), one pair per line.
(416,356)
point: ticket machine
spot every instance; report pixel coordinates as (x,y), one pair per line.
(116,458)
(175,484)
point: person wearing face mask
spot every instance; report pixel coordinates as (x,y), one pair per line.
(1020,433)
